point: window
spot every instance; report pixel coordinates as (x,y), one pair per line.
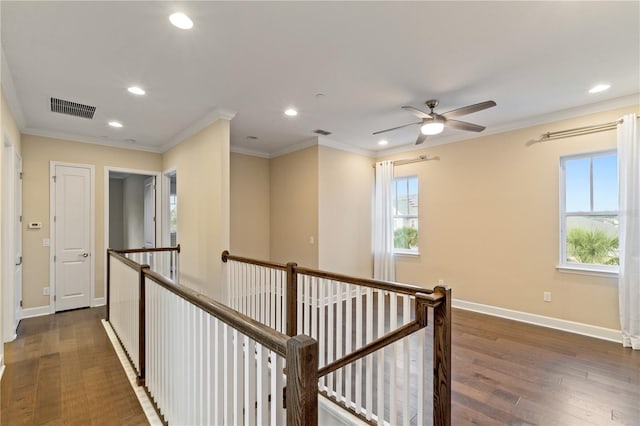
(589,211)
(405,214)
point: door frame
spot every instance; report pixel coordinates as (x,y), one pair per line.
(52,232)
(166,189)
(159,185)
(11,314)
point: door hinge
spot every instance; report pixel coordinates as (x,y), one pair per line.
(54,258)
(54,179)
(20,218)
(21,303)
(54,218)
(54,297)
(20,175)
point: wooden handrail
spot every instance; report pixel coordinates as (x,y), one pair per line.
(367,349)
(264,335)
(130,263)
(409,289)
(226,256)
(145,250)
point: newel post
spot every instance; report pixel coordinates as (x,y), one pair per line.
(292,298)
(302,381)
(142,327)
(442,358)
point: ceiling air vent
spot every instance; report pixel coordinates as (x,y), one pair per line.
(72,108)
(322,132)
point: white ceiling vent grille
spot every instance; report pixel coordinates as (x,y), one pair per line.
(72,108)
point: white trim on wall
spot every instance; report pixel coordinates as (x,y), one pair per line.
(549,322)
(35,312)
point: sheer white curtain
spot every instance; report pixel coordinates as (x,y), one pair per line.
(629,276)
(383,263)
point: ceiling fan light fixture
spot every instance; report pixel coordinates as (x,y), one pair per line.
(432,127)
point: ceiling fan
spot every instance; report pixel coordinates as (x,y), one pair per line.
(433,123)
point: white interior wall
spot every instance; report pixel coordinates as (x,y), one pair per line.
(116,214)
(133,211)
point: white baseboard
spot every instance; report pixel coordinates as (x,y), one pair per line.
(558,324)
(1,368)
(98,301)
(35,312)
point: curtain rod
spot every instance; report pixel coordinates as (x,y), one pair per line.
(578,131)
(412,160)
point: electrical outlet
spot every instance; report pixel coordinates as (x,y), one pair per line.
(440,282)
(546,296)
(45,291)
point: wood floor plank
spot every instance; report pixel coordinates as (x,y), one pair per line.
(62,369)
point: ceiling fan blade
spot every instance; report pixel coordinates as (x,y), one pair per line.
(463,125)
(415,111)
(421,138)
(469,109)
(394,128)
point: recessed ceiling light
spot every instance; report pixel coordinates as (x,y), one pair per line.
(115,124)
(383,142)
(291,112)
(599,88)
(181,21)
(136,90)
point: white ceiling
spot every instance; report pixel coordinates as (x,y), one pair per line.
(258,58)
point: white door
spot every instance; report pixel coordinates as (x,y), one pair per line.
(72,218)
(18,241)
(150,212)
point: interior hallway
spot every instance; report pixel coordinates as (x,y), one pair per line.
(62,369)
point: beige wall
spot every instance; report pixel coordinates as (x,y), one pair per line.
(37,152)
(489,224)
(202,173)
(344,212)
(249,206)
(294,207)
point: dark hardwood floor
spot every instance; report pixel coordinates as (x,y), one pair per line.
(62,369)
(510,373)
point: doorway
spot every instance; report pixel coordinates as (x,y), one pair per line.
(130,209)
(11,239)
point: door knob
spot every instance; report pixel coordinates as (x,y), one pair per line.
(85,254)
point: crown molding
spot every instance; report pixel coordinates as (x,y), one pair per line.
(322,141)
(249,151)
(209,118)
(90,140)
(299,146)
(565,114)
(10,94)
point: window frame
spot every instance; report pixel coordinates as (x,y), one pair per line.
(563,264)
(404,251)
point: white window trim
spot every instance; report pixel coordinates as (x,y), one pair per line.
(403,251)
(580,268)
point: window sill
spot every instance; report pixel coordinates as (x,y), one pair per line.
(406,253)
(586,270)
